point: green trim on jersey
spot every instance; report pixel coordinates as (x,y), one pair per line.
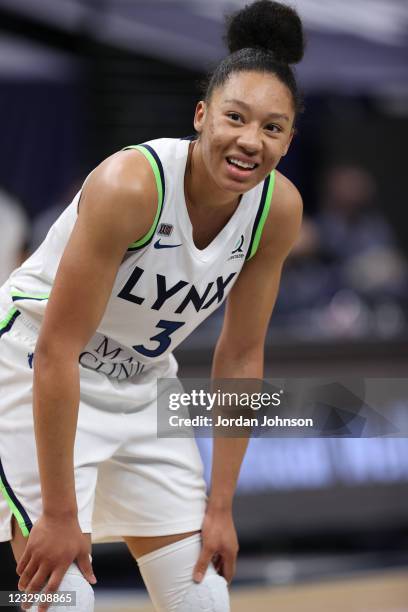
(160,193)
(8,318)
(27,296)
(19,517)
(257,232)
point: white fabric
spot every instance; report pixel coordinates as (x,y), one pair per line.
(128,481)
(168,576)
(211,595)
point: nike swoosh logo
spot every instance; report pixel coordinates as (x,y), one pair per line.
(158,245)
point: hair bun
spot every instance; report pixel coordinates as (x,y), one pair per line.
(268,25)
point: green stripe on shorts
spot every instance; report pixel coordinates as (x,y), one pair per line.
(19,517)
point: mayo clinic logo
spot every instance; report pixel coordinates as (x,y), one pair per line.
(237,252)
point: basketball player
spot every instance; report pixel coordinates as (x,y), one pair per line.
(154,242)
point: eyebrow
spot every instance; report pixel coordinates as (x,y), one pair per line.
(247,107)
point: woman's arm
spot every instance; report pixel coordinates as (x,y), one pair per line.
(240,354)
(117,206)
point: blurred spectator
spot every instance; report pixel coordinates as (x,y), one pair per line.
(13,235)
(356,238)
(346,275)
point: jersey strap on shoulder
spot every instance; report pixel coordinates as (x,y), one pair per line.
(154,160)
(261,215)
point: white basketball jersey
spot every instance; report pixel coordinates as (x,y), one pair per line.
(165,286)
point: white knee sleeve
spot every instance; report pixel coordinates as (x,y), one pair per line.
(168,576)
(74,580)
(211,595)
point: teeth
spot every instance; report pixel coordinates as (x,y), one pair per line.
(241,164)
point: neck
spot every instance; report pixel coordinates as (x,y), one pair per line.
(201,191)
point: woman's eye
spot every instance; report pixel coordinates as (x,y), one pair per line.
(234,116)
(273,128)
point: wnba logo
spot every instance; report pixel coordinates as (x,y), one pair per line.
(237,252)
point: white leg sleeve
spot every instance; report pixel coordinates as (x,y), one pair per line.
(168,576)
(74,580)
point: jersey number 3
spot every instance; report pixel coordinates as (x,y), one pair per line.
(163,338)
(168,327)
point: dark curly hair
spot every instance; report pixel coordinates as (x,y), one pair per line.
(264,36)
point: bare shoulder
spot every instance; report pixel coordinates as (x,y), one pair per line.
(124,171)
(122,188)
(117,207)
(284,219)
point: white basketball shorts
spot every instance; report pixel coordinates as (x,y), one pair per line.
(128,481)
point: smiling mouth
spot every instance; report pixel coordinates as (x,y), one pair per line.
(241,164)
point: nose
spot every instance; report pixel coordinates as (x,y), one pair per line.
(249,139)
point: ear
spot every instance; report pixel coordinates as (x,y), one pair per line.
(199,116)
(286,149)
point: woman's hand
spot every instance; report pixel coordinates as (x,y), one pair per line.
(53,544)
(220,545)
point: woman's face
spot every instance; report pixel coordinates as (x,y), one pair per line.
(245,129)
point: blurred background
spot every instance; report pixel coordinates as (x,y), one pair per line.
(323,523)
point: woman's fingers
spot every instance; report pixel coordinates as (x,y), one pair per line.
(202,563)
(228,567)
(26,576)
(37,583)
(24,559)
(85,565)
(52,586)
